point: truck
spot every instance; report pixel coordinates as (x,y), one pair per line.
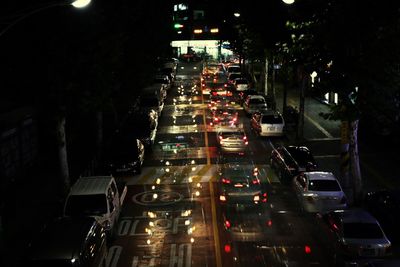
(100,197)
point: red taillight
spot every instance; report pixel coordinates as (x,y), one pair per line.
(256,181)
(215,119)
(226,181)
(225,85)
(269,223)
(227,224)
(229,93)
(227,248)
(307,249)
(244,137)
(214,93)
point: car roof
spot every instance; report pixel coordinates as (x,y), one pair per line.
(320,175)
(92,185)
(356,215)
(62,239)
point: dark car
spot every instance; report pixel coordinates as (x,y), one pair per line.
(289,161)
(124,155)
(143,126)
(78,241)
(385,206)
(240,184)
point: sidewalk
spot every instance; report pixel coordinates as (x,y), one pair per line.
(375,163)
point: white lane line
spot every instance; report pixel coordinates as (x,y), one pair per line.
(316,124)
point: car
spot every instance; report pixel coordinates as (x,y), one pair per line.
(234,141)
(224,117)
(69,241)
(254,103)
(243,94)
(319,191)
(217,101)
(291,160)
(124,155)
(233,76)
(233,69)
(384,205)
(240,184)
(151,101)
(141,125)
(241,84)
(209,86)
(267,123)
(356,234)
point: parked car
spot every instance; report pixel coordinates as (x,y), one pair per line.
(289,161)
(243,95)
(254,103)
(384,205)
(319,191)
(99,197)
(151,101)
(142,126)
(233,69)
(241,84)
(124,155)
(233,76)
(240,184)
(69,241)
(356,234)
(232,141)
(267,123)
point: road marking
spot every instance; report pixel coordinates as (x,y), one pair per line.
(316,124)
(325,139)
(215,226)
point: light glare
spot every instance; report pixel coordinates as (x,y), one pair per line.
(81,3)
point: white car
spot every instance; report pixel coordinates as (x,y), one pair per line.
(319,191)
(241,84)
(356,235)
(254,103)
(268,123)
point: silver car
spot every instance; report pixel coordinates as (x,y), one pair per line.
(356,235)
(232,141)
(319,191)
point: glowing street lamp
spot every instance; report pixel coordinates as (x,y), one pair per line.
(74,3)
(80,3)
(236,14)
(288,2)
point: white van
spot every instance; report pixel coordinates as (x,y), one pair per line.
(98,197)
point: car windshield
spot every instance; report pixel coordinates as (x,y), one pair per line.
(257,101)
(271,119)
(302,156)
(83,205)
(323,185)
(232,134)
(362,231)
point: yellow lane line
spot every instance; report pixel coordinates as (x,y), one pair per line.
(215,225)
(197,177)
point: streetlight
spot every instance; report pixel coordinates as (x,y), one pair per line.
(236,14)
(74,3)
(288,2)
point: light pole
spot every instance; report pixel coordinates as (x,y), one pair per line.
(74,3)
